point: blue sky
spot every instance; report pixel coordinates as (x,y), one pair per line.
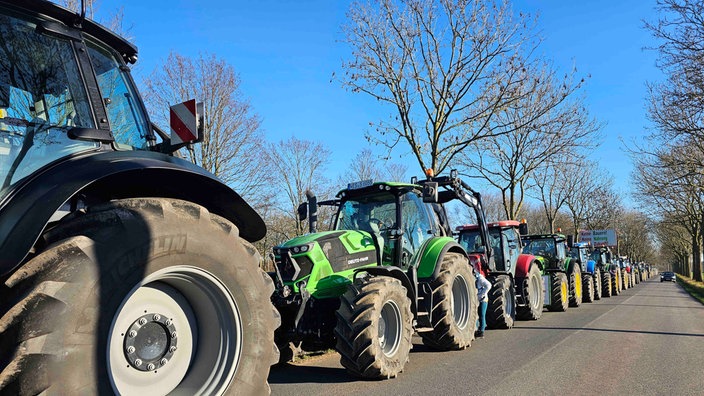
(287,51)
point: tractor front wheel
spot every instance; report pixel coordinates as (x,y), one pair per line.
(588,283)
(502,303)
(534,295)
(606,284)
(596,278)
(136,297)
(374,328)
(575,278)
(455,303)
(559,292)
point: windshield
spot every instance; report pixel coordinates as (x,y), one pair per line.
(541,247)
(370,213)
(41,98)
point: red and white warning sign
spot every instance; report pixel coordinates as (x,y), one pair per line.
(185,122)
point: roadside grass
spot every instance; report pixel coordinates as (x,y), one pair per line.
(696,289)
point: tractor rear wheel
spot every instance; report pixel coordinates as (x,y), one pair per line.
(374,328)
(502,303)
(575,281)
(598,287)
(534,295)
(559,292)
(588,292)
(139,296)
(606,284)
(625,280)
(455,305)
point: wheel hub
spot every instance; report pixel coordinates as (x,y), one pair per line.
(150,342)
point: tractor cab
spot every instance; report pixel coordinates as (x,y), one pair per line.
(504,239)
(552,247)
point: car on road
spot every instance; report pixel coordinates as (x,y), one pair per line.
(668,276)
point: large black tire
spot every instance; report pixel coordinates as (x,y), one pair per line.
(534,294)
(588,288)
(374,328)
(625,280)
(501,311)
(78,316)
(559,292)
(616,283)
(455,305)
(606,284)
(575,282)
(598,288)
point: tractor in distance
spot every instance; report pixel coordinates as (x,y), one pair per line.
(610,271)
(561,275)
(591,273)
(389,267)
(123,268)
(517,287)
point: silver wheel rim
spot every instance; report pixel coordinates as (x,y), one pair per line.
(534,295)
(389,328)
(203,334)
(460,302)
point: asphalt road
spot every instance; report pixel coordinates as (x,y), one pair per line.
(647,341)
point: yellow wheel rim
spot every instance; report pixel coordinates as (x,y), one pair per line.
(563,292)
(578,285)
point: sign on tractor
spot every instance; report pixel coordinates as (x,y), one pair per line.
(598,237)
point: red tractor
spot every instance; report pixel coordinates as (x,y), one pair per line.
(517,286)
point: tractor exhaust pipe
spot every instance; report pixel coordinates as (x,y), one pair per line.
(313,212)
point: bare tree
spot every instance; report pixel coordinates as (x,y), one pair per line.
(591,201)
(115,21)
(509,161)
(676,104)
(553,185)
(366,165)
(299,166)
(444,67)
(234,142)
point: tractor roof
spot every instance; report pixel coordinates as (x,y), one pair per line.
(496,224)
(557,237)
(46,9)
(366,187)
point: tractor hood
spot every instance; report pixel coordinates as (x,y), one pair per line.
(315,257)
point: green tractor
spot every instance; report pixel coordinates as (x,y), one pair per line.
(562,276)
(610,271)
(517,287)
(591,272)
(389,267)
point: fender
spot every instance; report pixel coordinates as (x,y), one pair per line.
(397,273)
(103,175)
(434,250)
(591,266)
(523,265)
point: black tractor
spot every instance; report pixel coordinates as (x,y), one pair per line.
(123,268)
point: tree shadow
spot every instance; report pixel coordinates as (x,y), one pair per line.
(612,331)
(294,374)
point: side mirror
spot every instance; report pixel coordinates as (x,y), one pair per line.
(302,211)
(570,240)
(523,228)
(430,192)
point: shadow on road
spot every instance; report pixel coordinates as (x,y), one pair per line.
(612,331)
(651,305)
(292,374)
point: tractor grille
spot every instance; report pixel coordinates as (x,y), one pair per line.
(287,266)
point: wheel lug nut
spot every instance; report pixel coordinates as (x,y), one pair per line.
(132,334)
(173,335)
(142,322)
(172,349)
(150,367)
(130,349)
(138,362)
(163,361)
(168,322)
(156,317)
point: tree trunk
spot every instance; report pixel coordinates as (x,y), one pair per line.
(696,250)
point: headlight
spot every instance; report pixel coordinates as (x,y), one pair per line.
(302,248)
